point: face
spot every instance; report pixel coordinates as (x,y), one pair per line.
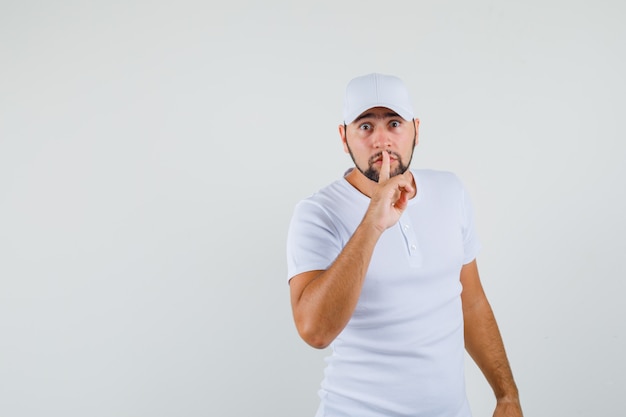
(376,130)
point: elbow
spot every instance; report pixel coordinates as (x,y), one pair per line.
(316,341)
(314,336)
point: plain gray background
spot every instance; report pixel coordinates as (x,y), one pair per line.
(151,153)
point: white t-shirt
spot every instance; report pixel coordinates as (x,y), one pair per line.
(402,352)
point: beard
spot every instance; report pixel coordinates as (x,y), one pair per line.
(373,173)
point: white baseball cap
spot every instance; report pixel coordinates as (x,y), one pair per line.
(376,90)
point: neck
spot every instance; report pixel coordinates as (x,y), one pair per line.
(367,186)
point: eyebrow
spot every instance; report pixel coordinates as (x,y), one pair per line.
(388,115)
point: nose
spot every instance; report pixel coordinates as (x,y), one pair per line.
(381,138)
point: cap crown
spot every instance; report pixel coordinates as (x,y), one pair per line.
(376,90)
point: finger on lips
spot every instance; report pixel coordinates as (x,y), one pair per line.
(385,167)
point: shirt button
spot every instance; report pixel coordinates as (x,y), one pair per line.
(406,227)
(413,247)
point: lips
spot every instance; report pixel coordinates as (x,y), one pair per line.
(378,158)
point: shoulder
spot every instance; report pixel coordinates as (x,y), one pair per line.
(318,200)
(334,197)
(437,179)
(337,208)
(323,203)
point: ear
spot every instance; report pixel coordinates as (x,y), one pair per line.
(416,122)
(342,134)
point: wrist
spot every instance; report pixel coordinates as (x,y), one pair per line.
(371,228)
(508,399)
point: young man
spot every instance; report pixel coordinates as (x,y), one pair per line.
(381,266)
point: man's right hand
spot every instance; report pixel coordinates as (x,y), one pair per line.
(390,197)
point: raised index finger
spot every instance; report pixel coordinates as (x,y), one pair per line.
(384,168)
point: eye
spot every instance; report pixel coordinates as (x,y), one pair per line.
(365,126)
(394,123)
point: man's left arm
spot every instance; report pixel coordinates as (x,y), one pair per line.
(484,343)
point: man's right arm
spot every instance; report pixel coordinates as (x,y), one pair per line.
(323,301)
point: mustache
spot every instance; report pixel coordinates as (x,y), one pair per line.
(379,155)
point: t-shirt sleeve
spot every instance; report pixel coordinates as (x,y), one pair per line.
(471,243)
(312,242)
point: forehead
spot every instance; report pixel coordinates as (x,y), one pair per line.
(377,113)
